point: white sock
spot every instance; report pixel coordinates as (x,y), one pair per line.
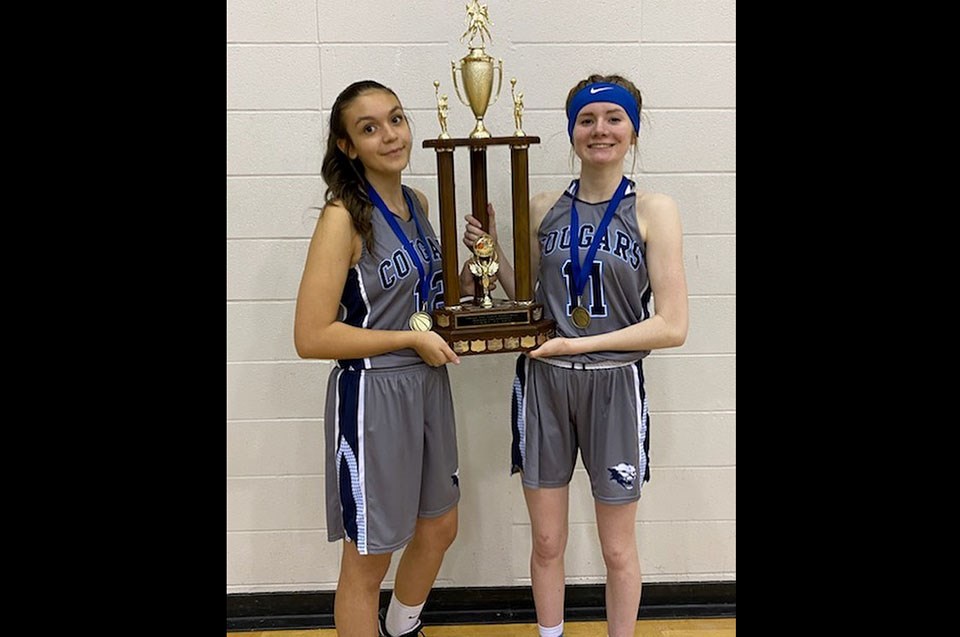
(556,631)
(400,618)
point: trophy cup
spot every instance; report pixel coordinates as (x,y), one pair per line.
(477,69)
(485,325)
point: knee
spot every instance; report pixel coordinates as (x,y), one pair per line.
(549,547)
(366,572)
(438,533)
(370,579)
(620,557)
(446,533)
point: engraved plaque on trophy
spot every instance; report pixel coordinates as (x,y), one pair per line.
(485,325)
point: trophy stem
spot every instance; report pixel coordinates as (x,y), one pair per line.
(479,131)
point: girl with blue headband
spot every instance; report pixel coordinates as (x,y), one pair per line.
(600,251)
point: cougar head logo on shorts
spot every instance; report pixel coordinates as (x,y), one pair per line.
(455,476)
(624,474)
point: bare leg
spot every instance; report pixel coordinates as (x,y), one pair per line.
(422,557)
(548,521)
(357,600)
(616,524)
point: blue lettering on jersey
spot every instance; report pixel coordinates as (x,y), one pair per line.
(625,247)
(435,250)
(593,299)
(549,243)
(398,266)
(623,244)
(436,285)
(586,236)
(604,243)
(402,263)
(385,272)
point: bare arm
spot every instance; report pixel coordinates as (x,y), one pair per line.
(334,249)
(659,221)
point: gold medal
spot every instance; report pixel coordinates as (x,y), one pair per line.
(581,317)
(420,322)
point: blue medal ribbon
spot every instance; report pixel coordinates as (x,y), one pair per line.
(582,273)
(397,230)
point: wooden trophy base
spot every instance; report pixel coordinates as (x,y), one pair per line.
(508,326)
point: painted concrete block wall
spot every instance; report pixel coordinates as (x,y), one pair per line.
(286,62)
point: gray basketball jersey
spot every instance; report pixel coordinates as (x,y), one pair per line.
(382,290)
(617,292)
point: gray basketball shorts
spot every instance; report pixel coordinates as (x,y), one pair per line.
(600,411)
(391,454)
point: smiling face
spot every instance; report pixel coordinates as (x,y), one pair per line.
(379,134)
(602,133)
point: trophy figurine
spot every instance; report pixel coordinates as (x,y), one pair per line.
(441,110)
(477,68)
(484,265)
(517,108)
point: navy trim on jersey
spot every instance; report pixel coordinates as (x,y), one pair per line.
(575,185)
(645,297)
(355,308)
(352,300)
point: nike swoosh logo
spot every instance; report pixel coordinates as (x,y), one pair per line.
(596,89)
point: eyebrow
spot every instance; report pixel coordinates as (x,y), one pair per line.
(606,112)
(372,118)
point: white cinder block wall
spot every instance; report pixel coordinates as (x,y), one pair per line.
(286,62)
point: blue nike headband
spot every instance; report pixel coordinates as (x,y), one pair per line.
(603,92)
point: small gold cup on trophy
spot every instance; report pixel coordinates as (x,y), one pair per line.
(477,69)
(484,265)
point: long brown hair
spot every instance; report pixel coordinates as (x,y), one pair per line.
(345,177)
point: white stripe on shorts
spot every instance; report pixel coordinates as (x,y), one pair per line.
(362,464)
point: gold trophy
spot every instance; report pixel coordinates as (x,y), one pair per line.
(477,68)
(484,325)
